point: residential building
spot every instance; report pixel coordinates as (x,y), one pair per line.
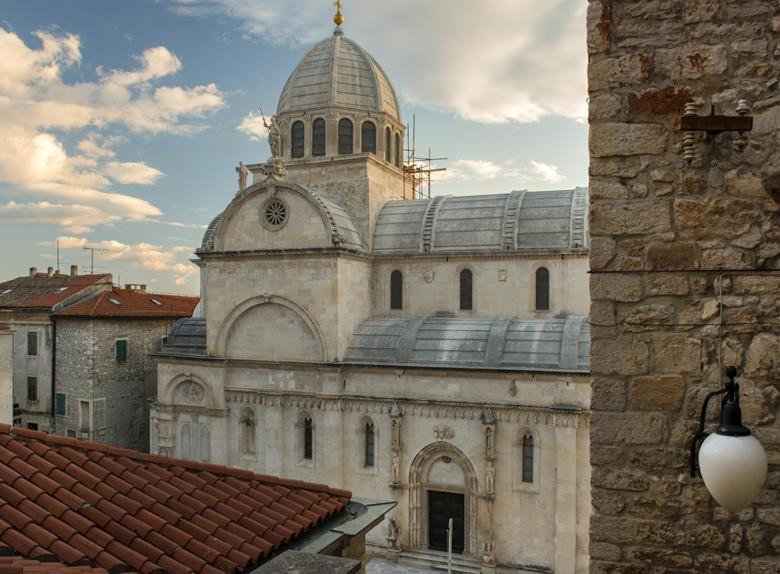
(6,376)
(27,305)
(431,351)
(104,373)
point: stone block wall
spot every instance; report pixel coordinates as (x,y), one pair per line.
(684,277)
(87,370)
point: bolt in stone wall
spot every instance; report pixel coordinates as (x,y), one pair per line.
(674,295)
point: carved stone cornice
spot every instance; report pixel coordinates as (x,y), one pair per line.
(569,417)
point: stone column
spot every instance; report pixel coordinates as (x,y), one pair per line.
(273,438)
(565,493)
(331,448)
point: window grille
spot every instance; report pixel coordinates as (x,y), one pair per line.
(318,137)
(345,137)
(388,145)
(308,439)
(368,460)
(528,458)
(368,138)
(298,132)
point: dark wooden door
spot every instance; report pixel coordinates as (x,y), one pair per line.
(441,507)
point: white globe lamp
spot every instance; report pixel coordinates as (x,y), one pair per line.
(731,461)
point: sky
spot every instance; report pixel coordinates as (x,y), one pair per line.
(123,120)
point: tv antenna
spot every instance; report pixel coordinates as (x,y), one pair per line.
(92,257)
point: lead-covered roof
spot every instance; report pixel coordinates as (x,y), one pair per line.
(517,221)
(557,344)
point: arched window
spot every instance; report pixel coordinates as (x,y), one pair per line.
(397,149)
(185,444)
(396,290)
(528,458)
(318,137)
(247,440)
(368,444)
(308,438)
(368,137)
(388,145)
(345,136)
(466,290)
(542,289)
(297,133)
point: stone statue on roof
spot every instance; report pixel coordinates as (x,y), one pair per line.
(274,136)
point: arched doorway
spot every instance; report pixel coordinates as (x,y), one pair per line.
(443,484)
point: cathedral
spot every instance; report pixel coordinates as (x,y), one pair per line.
(427,351)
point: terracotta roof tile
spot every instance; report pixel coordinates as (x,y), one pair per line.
(44,292)
(112,509)
(132,303)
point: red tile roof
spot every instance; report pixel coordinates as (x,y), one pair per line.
(21,565)
(85,503)
(131,303)
(41,291)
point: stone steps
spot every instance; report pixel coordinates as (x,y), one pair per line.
(438,561)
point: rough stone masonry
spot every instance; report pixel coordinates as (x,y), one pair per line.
(684,277)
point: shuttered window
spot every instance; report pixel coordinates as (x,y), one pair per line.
(121,350)
(32,388)
(32,343)
(60,404)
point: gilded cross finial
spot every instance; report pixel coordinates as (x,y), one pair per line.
(338,17)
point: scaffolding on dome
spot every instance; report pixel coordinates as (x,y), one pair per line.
(418,170)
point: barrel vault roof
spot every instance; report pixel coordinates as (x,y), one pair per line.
(558,344)
(517,221)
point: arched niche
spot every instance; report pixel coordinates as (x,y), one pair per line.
(270,328)
(441,466)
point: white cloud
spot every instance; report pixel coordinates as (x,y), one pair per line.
(463,170)
(132,172)
(36,104)
(252,125)
(547,173)
(147,256)
(73,218)
(65,242)
(499,61)
(155,63)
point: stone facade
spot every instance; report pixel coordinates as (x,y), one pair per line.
(685,277)
(115,393)
(35,412)
(6,377)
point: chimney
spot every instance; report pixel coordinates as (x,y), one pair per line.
(135,287)
(33,271)
(74,270)
(50,271)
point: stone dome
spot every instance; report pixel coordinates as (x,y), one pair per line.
(338,73)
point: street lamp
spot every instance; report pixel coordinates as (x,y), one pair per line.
(731,461)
